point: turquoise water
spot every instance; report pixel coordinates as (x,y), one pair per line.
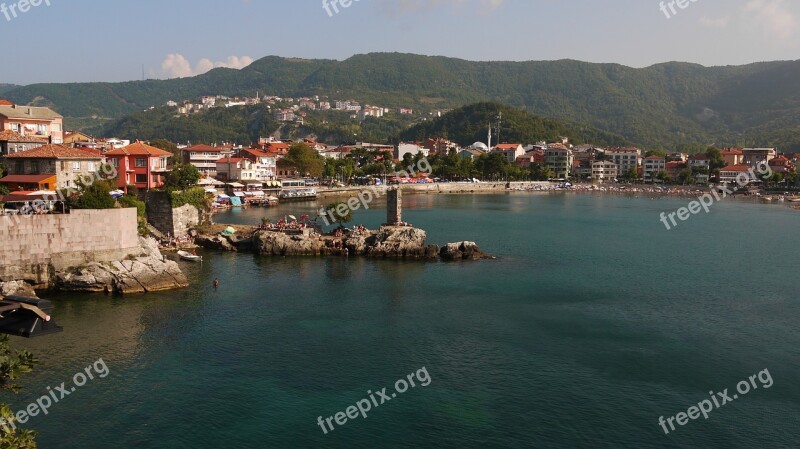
(594,321)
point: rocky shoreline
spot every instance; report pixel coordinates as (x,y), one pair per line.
(142,272)
(395,242)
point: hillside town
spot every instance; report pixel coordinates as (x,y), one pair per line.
(40,157)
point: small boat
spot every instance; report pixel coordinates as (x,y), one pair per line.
(189,256)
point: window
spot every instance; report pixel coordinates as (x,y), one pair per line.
(141,179)
(141,163)
(56,127)
(92,167)
(42,129)
(16,127)
(115,162)
(76,166)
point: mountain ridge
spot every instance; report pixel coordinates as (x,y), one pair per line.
(670,104)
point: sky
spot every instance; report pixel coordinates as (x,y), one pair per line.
(113,40)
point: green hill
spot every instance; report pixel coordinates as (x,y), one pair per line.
(665,105)
(469,124)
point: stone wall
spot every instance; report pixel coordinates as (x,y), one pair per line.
(169,221)
(33,247)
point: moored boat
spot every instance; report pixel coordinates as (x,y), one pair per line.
(189,256)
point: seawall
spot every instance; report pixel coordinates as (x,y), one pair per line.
(34,247)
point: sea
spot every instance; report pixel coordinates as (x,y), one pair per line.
(594,324)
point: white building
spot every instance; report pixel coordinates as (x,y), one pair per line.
(652,166)
(625,158)
(410,148)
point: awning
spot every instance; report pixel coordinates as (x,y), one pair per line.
(235,184)
(238,193)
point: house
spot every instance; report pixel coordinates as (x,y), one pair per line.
(337,153)
(587,153)
(674,169)
(65,163)
(733,156)
(235,169)
(559,160)
(700,166)
(410,148)
(729,174)
(677,157)
(140,165)
(511,151)
(756,156)
(581,169)
(625,158)
(205,158)
(265,165)
(441,146)
(781,165)
(31,120)
(652,166)
(33,183)
(76,138)
(530,158)
(471,153)
(13,142)
(604,171)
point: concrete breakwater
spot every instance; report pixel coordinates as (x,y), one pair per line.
(83,251)
(445,188)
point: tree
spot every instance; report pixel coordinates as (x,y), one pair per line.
(12,365)
(686,176)
(630,175)
(166,145)
(715,159)
(339,212)
(540,172)
(182,177)
(91,194)
(663,177)
(306,160)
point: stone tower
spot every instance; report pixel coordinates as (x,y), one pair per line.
(394,207)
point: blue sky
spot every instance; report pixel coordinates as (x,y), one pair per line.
(110,40)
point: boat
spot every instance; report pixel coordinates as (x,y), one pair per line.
(189,256)
(297,195)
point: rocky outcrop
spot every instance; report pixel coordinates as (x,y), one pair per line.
(16,288)
(389,242)
(147,271)
(462,251)
(268,243)
(401,242)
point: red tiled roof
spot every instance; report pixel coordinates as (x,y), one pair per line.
(203,148)
(54,152)
(27,179)
(231,160)
(12,136)
(733,152)
(508,146)
(138,149)
(6,103)
(739,168)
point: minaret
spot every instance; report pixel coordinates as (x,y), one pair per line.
(490,136)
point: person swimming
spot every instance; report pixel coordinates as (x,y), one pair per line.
(216,283)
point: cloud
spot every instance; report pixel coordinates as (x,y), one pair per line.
(175,65)
(719,22)
(413,6)
(774,17)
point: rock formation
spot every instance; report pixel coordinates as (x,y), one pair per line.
(148,271)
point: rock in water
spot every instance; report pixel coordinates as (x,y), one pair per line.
(268,243)
(463,251)
(398,241)
(16,288)
(146,272)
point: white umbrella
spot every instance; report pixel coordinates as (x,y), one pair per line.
(293,217)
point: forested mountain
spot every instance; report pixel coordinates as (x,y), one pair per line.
(665,105)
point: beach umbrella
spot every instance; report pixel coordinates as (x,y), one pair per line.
(293,217)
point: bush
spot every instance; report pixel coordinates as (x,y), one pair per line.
(132,201)
(195,196)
